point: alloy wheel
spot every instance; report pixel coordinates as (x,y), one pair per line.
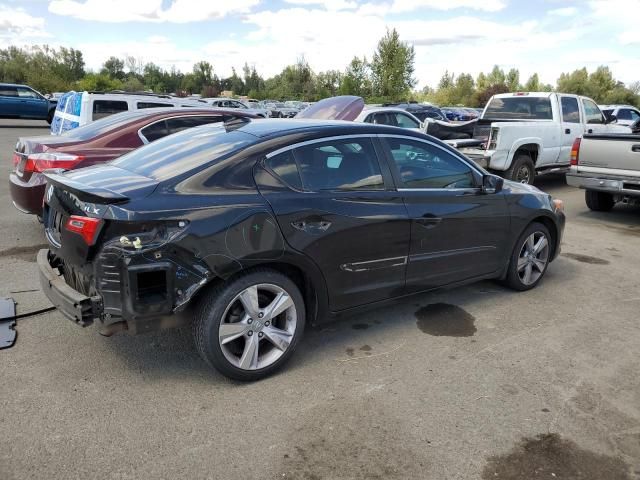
(533,258)
(257,326)
(523,175)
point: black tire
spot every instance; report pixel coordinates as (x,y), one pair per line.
(50,116)
(280,115)
(599,201)
(522,169)
(513,279)
(209,314)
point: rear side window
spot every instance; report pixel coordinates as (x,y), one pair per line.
(178,124)
(7,91)
(155,131)
(339,165)
(421,165)
(592,113)
(570,112)
(153,105)
(104,108)
(519,107)
(284,166)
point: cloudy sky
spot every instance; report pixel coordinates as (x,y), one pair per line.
(544,36)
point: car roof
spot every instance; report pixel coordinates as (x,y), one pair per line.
(4,84)
(281,127)
(528,94)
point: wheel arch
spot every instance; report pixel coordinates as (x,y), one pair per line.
(530,146)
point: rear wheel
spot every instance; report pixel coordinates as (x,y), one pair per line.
(599,201)
(530,258)
(522,169)
(249,327)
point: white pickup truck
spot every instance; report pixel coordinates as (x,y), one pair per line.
(528,132)
(608,168)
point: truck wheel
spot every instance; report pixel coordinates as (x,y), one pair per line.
(599,201)
(50,116)
(249,327)
(522,169)
(530,258)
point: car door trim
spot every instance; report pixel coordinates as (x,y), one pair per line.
(419,257)
(369,265)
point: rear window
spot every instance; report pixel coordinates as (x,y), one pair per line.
(519,108)
(93,129)
(177,154)
(103,108)
(7,91)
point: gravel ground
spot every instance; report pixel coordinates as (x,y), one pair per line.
(473,382)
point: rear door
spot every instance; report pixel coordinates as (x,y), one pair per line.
(457,232)
(337,205)
(572,126)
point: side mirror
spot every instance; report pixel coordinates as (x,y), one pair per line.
(492,184)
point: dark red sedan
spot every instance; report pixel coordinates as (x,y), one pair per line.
(98,142)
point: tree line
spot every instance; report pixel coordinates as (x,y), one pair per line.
(387,77)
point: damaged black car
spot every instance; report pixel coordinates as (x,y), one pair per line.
(253,229)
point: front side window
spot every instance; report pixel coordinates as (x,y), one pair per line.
(27,93)
(178,124)
(634,115)
(382,119)
(422,165)
(592,113)
(350,164)
(104,108)
(570,112)
(405,121)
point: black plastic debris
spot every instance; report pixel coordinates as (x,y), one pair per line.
(7,323)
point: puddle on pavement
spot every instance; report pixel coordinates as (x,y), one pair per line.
(26,253)
(586,259)
(445,320)
(550,456)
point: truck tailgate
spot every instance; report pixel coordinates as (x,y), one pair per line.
(617,153)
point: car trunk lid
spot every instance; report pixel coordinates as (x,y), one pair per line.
(344,107)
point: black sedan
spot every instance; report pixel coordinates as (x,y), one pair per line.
(251,229)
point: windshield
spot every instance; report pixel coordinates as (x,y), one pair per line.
(176,154)
(519,108)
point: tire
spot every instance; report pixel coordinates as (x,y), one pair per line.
(50,116)
(225,305)
(522,169)
(280,115)
(599,201)
(521,262)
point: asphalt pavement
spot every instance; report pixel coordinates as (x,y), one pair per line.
(477,382)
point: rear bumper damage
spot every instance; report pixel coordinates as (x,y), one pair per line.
(80,308)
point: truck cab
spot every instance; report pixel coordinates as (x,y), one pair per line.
(525,133)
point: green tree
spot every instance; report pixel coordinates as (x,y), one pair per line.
(392,67)
(513,80)
(114,68)
(357,78)
(496,77)
(98,82)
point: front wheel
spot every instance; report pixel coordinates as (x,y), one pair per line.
(522,169)
(249,327)
(530,258)
(50,117)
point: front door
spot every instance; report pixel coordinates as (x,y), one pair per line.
(457,232)
(336,207)
(571,126)
(32,104)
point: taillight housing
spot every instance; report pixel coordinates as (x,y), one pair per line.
(492,141)
(87,227)
(575,152)
(39,162)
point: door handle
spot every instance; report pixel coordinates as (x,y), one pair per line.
(429,222)
(567,131)
(590,130)
(635,148)
(314,227)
